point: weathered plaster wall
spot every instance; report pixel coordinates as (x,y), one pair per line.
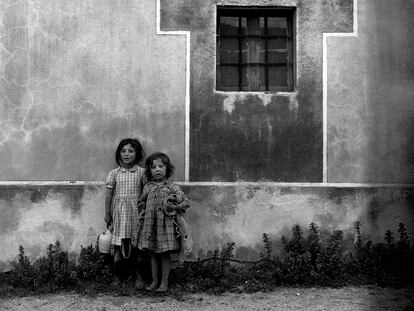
(76,77)
(371,96)
(256,136)
(34,216)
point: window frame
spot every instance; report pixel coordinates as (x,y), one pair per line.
(266,12)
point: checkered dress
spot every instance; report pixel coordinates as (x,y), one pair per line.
(159,233)
(127,185)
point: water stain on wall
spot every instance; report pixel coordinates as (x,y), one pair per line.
(38,195)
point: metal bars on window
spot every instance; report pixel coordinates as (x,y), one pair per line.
(255,49)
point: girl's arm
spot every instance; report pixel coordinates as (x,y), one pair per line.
(142,201)
(108,202)
(144,194)
(110,186)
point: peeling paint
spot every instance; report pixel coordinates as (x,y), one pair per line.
(270,135)
(218,215)
(69,95)
(231,98)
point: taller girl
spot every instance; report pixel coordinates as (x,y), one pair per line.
(123,190)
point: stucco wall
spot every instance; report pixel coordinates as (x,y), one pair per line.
(371,96)
(78,76)
(257,136)
(34,216)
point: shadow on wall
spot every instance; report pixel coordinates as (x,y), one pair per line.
(220,215)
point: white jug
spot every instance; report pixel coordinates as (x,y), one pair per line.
(104,242)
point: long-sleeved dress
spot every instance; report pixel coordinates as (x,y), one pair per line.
(159,233)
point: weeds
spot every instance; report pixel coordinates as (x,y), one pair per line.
(305,260)
(55,270)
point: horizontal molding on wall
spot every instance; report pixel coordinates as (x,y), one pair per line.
(215,184)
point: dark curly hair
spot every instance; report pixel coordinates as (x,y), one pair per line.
(139,151)
(164,159)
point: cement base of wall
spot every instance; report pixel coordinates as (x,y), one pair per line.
(36,215)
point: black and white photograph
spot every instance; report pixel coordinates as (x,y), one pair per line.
(207,155)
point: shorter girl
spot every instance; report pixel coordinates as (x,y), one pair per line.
(159,233)
(123,190)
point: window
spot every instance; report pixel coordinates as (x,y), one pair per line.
(255,49)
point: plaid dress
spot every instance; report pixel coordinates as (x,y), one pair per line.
(127,185)
(159,233)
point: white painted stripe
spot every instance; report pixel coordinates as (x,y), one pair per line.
(187,87)
(325,84)
(215,184)
(298,184)
(52,183)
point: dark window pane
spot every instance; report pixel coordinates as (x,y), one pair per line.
(244,25)
(277,44)
(262,81)
(229,77)
(262,26)
(229,25)
(277,50)
(254,25)
(277,57)
(277,76)
(277,26)
(253,50)
(253,78)
(228,50)
(262,51)
(244,50)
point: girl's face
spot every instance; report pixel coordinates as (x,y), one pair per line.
(128,155)
(158,170)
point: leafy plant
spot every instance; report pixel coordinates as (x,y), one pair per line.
(305,260)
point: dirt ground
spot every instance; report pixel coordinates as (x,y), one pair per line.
(286,299)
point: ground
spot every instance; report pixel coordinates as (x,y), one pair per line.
(286,299)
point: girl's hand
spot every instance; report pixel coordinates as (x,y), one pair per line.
(141,206)
(141,215)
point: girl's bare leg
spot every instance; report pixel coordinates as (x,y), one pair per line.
(139,282)
(154,273)
(166,266)
(116,279)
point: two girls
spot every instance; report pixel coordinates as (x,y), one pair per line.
(128,200)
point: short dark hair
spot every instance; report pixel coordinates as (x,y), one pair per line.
(164,159)
(139,151)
